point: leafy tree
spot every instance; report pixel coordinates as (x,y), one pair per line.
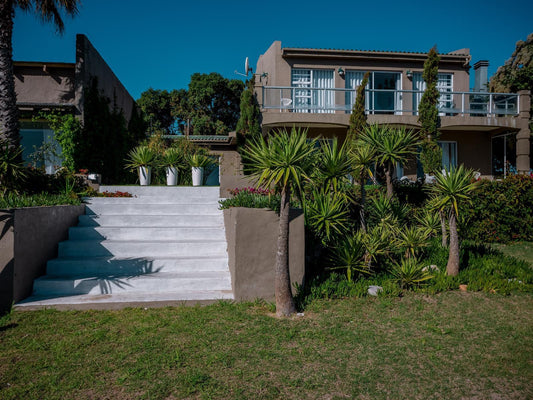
(392,145)
(358,117)
(157,110)
(451,190)
(283,162)
(249,124)
(48,11)
(517,72)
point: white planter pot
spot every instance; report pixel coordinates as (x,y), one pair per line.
(197,176)
(145,175)
(172,176)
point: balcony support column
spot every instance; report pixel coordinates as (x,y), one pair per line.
(523,136)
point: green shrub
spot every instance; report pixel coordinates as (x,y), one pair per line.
(251,198)
(12,200)
(501,211)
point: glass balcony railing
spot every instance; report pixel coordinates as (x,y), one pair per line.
(398,102)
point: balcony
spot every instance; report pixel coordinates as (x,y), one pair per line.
(392,102)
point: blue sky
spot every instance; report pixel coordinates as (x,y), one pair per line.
(161,43)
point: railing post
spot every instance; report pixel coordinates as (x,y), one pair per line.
(463,104)
(490,104)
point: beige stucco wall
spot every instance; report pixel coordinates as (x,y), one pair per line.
(48,83)
(252,245)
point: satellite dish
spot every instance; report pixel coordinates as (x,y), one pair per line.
(247,68)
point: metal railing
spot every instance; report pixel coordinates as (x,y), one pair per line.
(383,101)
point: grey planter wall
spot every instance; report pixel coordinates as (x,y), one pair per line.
(252,245)
(28,239)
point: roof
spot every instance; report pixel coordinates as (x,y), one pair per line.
(43,64)
(203,138)
(462,55)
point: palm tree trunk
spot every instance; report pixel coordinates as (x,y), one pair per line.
(9,124)
(453,259)
(362,207)
(444,232)
(388,177)
(284,301)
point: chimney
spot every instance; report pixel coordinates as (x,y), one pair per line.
(481,82)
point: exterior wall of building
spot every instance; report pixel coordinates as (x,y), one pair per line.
(48,83)
(89,64)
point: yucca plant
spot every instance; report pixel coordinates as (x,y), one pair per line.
(283,162)
(349,255)
(412,239)
(430,221)
(392,145)
(362,157)
(409,273)
(199,160)
(379,241)
(334,165)
(327,214)
(172,157)
(450,191)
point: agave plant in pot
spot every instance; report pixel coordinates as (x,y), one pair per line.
(142,158)
(199,162)
(172,160)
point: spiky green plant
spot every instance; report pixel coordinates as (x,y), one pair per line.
(334,165)
(393,146)
(362,157)
(349,255)
(409,273)
(11,168)
(430,221)
(412,239)
(172,157)
(450,191)
(284,161)
(141,156)
(327,215)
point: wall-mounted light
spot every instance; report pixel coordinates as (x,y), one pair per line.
(341,72)
(409,73)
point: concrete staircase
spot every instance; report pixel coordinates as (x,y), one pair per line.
(166,245)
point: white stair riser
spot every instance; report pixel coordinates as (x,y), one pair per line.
(151,200)
(152,220)
(165,191)
(98,266)
(162,233)
(151,209)
(144,284)
(78,248)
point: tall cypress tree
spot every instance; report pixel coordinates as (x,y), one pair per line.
(358,117)
(428,115)
(249,123)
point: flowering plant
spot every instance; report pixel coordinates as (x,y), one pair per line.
(250,190)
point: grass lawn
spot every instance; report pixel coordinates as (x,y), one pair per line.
(449,346)
(520,250)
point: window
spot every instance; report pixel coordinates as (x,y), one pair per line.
(444,85)
(309,94)
(382,97)
(40,149)
(449,154)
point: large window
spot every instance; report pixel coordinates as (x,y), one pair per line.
(383,96)
(444,85)
(449,154)
(40,149)
(310,94)
(504,155)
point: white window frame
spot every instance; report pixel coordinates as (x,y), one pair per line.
(303,97)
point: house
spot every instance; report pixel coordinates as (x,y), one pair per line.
(59,86)
(316,88)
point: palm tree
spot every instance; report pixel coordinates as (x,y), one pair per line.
(48,11)
(283,161)
(452,189)
(392,146)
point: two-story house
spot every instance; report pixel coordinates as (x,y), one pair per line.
(316,89)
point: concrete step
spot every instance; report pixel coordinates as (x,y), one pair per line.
(91,266)
(152,200)
(152,209)
(145,233)
(144,283)
(132,249)
(165,191)
(213,220)
(121,300)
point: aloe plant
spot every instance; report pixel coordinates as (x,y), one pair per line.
(140,156)
(172,157)
(199,160)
